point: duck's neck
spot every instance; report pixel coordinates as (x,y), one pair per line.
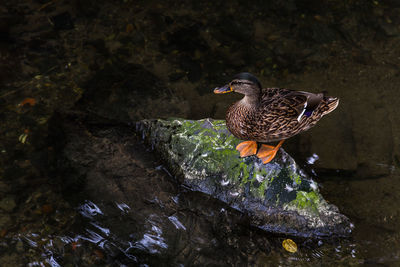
(251,100)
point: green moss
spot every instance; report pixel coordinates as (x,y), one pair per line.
(203,155)
(295,177)
(215,143)
(272,179)
(306,200)
(261,188)
(244,173)
(207,147)
(263,172)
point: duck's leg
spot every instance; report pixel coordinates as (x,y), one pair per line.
(266,153)
(247,148)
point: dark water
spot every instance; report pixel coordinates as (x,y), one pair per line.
(128,60)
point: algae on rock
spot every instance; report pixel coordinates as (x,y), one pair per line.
(277,197)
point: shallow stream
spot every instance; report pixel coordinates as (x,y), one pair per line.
(129,60)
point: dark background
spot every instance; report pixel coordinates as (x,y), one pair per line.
(123,61)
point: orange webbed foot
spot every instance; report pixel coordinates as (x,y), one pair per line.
(247,148)
(267,153)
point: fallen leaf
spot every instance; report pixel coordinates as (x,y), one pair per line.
(3,233)
(98,254)
(289,245)
(27,101)
(129,28)
(22,138)
(47,208)
(74,245)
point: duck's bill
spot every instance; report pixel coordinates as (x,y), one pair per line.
(223,90)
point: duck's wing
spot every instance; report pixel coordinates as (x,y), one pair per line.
(290,104)
(285,113)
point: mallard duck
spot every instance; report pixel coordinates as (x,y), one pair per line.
(267,115)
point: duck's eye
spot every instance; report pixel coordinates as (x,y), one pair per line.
(235,83)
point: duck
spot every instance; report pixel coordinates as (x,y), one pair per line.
(266,115)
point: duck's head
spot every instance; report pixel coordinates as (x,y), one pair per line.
(243,83)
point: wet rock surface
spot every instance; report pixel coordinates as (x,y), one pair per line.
(278,197)
(140,212)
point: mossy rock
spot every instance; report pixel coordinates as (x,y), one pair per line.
(278,196)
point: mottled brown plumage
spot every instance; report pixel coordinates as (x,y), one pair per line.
(272,114)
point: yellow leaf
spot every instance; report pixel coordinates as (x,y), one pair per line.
(22,138)
(129,28)
(289,245)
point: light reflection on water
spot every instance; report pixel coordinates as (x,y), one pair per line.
(124,207)
(152,241)
(105,231)
(123,232)
(177,223)
(311,160)
(89,209)
(97,232)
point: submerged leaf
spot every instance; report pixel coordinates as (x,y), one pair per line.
(289,245)
(28,101)
(22,138)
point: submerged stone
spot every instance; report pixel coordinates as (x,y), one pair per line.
(278,197)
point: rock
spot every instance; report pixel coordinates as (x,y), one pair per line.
(113,171)
(5,221)
(19,247)
(13,259)
(278,197)
(4,188)
(62,21)
(8,204)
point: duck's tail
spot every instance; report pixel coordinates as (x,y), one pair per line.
(329,104)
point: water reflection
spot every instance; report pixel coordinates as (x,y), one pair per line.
(97,239)
(311,160)
(123,207)
(152,241)
(177,223)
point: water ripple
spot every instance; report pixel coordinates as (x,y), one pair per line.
(176,222)
(89,209)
